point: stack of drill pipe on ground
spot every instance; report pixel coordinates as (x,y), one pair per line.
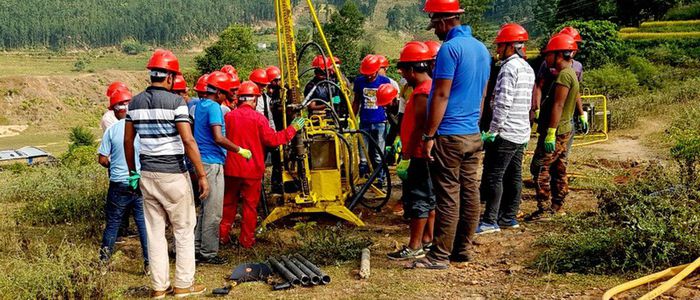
(315,278)
(305,279)
(325,279)
(284,272)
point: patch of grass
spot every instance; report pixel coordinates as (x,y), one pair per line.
(660,35)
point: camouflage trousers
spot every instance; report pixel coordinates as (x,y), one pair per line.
(549,172)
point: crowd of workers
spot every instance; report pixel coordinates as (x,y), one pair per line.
(167,152)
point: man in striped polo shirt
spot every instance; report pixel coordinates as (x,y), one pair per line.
(508,134)
(162,121)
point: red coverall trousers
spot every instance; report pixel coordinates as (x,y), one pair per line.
(247,191)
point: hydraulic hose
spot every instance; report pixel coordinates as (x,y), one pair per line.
(381,166)
(320,50)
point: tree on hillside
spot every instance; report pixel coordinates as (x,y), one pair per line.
(344,33)
(234,47)
(633,12)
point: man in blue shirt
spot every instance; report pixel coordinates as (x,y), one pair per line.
(120,195)
(372,116)
(452,140)
(212,143)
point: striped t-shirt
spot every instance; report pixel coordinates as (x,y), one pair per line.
(154,114)
(512,100)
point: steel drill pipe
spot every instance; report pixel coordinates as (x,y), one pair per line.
(315,278)
(325,279)
(305,280)
(284,272)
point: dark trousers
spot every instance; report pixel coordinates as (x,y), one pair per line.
(454,174)
(501,181)
(119,198)
(276,177)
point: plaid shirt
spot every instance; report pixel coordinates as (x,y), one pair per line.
(512,100)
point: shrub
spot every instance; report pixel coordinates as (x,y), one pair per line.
(675,53)
(131,46)
(80,136)
(685,136)
(81,64)
(55,195)
(645,225)
(687,12)
(611,80)
(234,47)
(647,74)
(601,43)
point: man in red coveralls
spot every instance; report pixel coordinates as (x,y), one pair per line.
(250,129)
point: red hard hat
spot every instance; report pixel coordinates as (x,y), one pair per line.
(415,51)
(115,86)
(235,82)
(434,47)
(336,60)
(510,33)
(259,76)
(249,88)
(164,60)
(383,62)
(119,96)
(180,83)
(320,62)
(229,69)
(561,42)
(273,73)
(201,85)
(572,32)
(386,93)
(442,6)
(370,65)
(221,81)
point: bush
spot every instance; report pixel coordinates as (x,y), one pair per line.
(234,47)
(81,64)
(647,74)
(601,43)
(611,80)
(685,136)
(131,46)
(687,12)
(55,195)
(645,225)
(678,53)
(80,136)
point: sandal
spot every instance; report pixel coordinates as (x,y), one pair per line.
(426,263)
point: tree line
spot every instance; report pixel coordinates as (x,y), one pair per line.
(75,23)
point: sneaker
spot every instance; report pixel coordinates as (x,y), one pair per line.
(406,253)
(487,228)
(509,225)
(195,289)
(215,260)
(426,247)
(161,294)
(146,269)
(539,215)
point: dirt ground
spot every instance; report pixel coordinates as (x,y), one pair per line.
(500,268)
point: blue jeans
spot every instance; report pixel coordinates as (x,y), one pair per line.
(378,133)
(120,197)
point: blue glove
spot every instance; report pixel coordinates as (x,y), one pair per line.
(550,140)
(134,180)
(402,169)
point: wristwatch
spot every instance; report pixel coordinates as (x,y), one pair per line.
(428,137)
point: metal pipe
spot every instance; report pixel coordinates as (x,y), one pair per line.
(284,272)
(325,279)
(305,280)
(315,279)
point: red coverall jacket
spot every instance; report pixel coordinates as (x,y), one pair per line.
(249,129)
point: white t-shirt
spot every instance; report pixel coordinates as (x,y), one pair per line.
(402,101)
(108,119)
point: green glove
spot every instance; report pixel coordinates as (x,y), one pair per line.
(550,140)
(537,114)
(134,180)
(487,137)
(388,149)
(298,123)
(397,144)
(402,169)
(245,153)
(336,100)
(584,121)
